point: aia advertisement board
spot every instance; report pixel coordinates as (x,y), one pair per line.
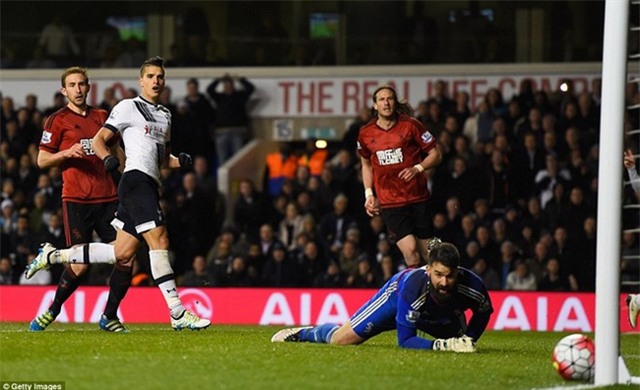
(524,311)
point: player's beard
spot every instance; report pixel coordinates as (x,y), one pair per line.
(440,295)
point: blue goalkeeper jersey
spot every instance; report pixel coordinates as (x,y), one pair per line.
(404,303)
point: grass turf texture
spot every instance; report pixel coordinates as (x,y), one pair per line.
(242,357)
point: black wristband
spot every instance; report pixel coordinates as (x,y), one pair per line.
(111,163)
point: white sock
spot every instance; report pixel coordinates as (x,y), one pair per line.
(164,278)
(637,298)
(95,252)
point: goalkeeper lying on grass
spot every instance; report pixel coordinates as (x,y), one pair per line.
(432,299)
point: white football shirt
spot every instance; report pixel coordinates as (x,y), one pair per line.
(146,130)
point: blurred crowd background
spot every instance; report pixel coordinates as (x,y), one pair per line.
(300,33)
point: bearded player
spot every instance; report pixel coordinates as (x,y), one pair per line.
(432,299)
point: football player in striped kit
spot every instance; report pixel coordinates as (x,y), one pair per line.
(145,128)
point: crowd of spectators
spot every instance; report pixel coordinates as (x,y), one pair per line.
(268,44)
(516,193)
(297,35)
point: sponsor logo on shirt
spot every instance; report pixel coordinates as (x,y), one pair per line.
(113,114)
(154,131)
(390,156)
(86,146)
(46,137)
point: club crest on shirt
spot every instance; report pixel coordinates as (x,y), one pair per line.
(426,137)
(46,137)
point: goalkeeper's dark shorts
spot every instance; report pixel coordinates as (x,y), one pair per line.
(415,218)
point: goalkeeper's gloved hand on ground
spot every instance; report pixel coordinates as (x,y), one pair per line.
(464,344)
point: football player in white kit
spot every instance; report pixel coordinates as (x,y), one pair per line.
(145,127)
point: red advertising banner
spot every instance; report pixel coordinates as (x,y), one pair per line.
(524,311)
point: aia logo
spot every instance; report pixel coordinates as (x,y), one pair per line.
(154,131)
(197,302)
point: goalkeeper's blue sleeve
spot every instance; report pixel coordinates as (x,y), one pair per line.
(406,325)
(407,339)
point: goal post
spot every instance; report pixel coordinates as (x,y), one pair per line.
(614,71)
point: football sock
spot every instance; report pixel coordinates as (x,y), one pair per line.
(119,283)
(68,283)
(319,334)
(96,252)
(164,278)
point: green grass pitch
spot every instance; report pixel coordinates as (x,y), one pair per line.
(242,357)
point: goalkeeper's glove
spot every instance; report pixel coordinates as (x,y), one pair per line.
(464,344)
(111,163)
(186,162)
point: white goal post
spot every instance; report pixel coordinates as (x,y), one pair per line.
(609,368)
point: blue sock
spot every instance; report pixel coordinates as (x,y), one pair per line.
(319,334)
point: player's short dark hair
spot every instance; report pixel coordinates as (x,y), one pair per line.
(153,61)
(444,253)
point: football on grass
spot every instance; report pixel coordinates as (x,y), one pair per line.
(574,357)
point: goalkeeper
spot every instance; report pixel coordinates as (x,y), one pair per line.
(432,299)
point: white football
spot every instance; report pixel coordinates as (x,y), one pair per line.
(574,357)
